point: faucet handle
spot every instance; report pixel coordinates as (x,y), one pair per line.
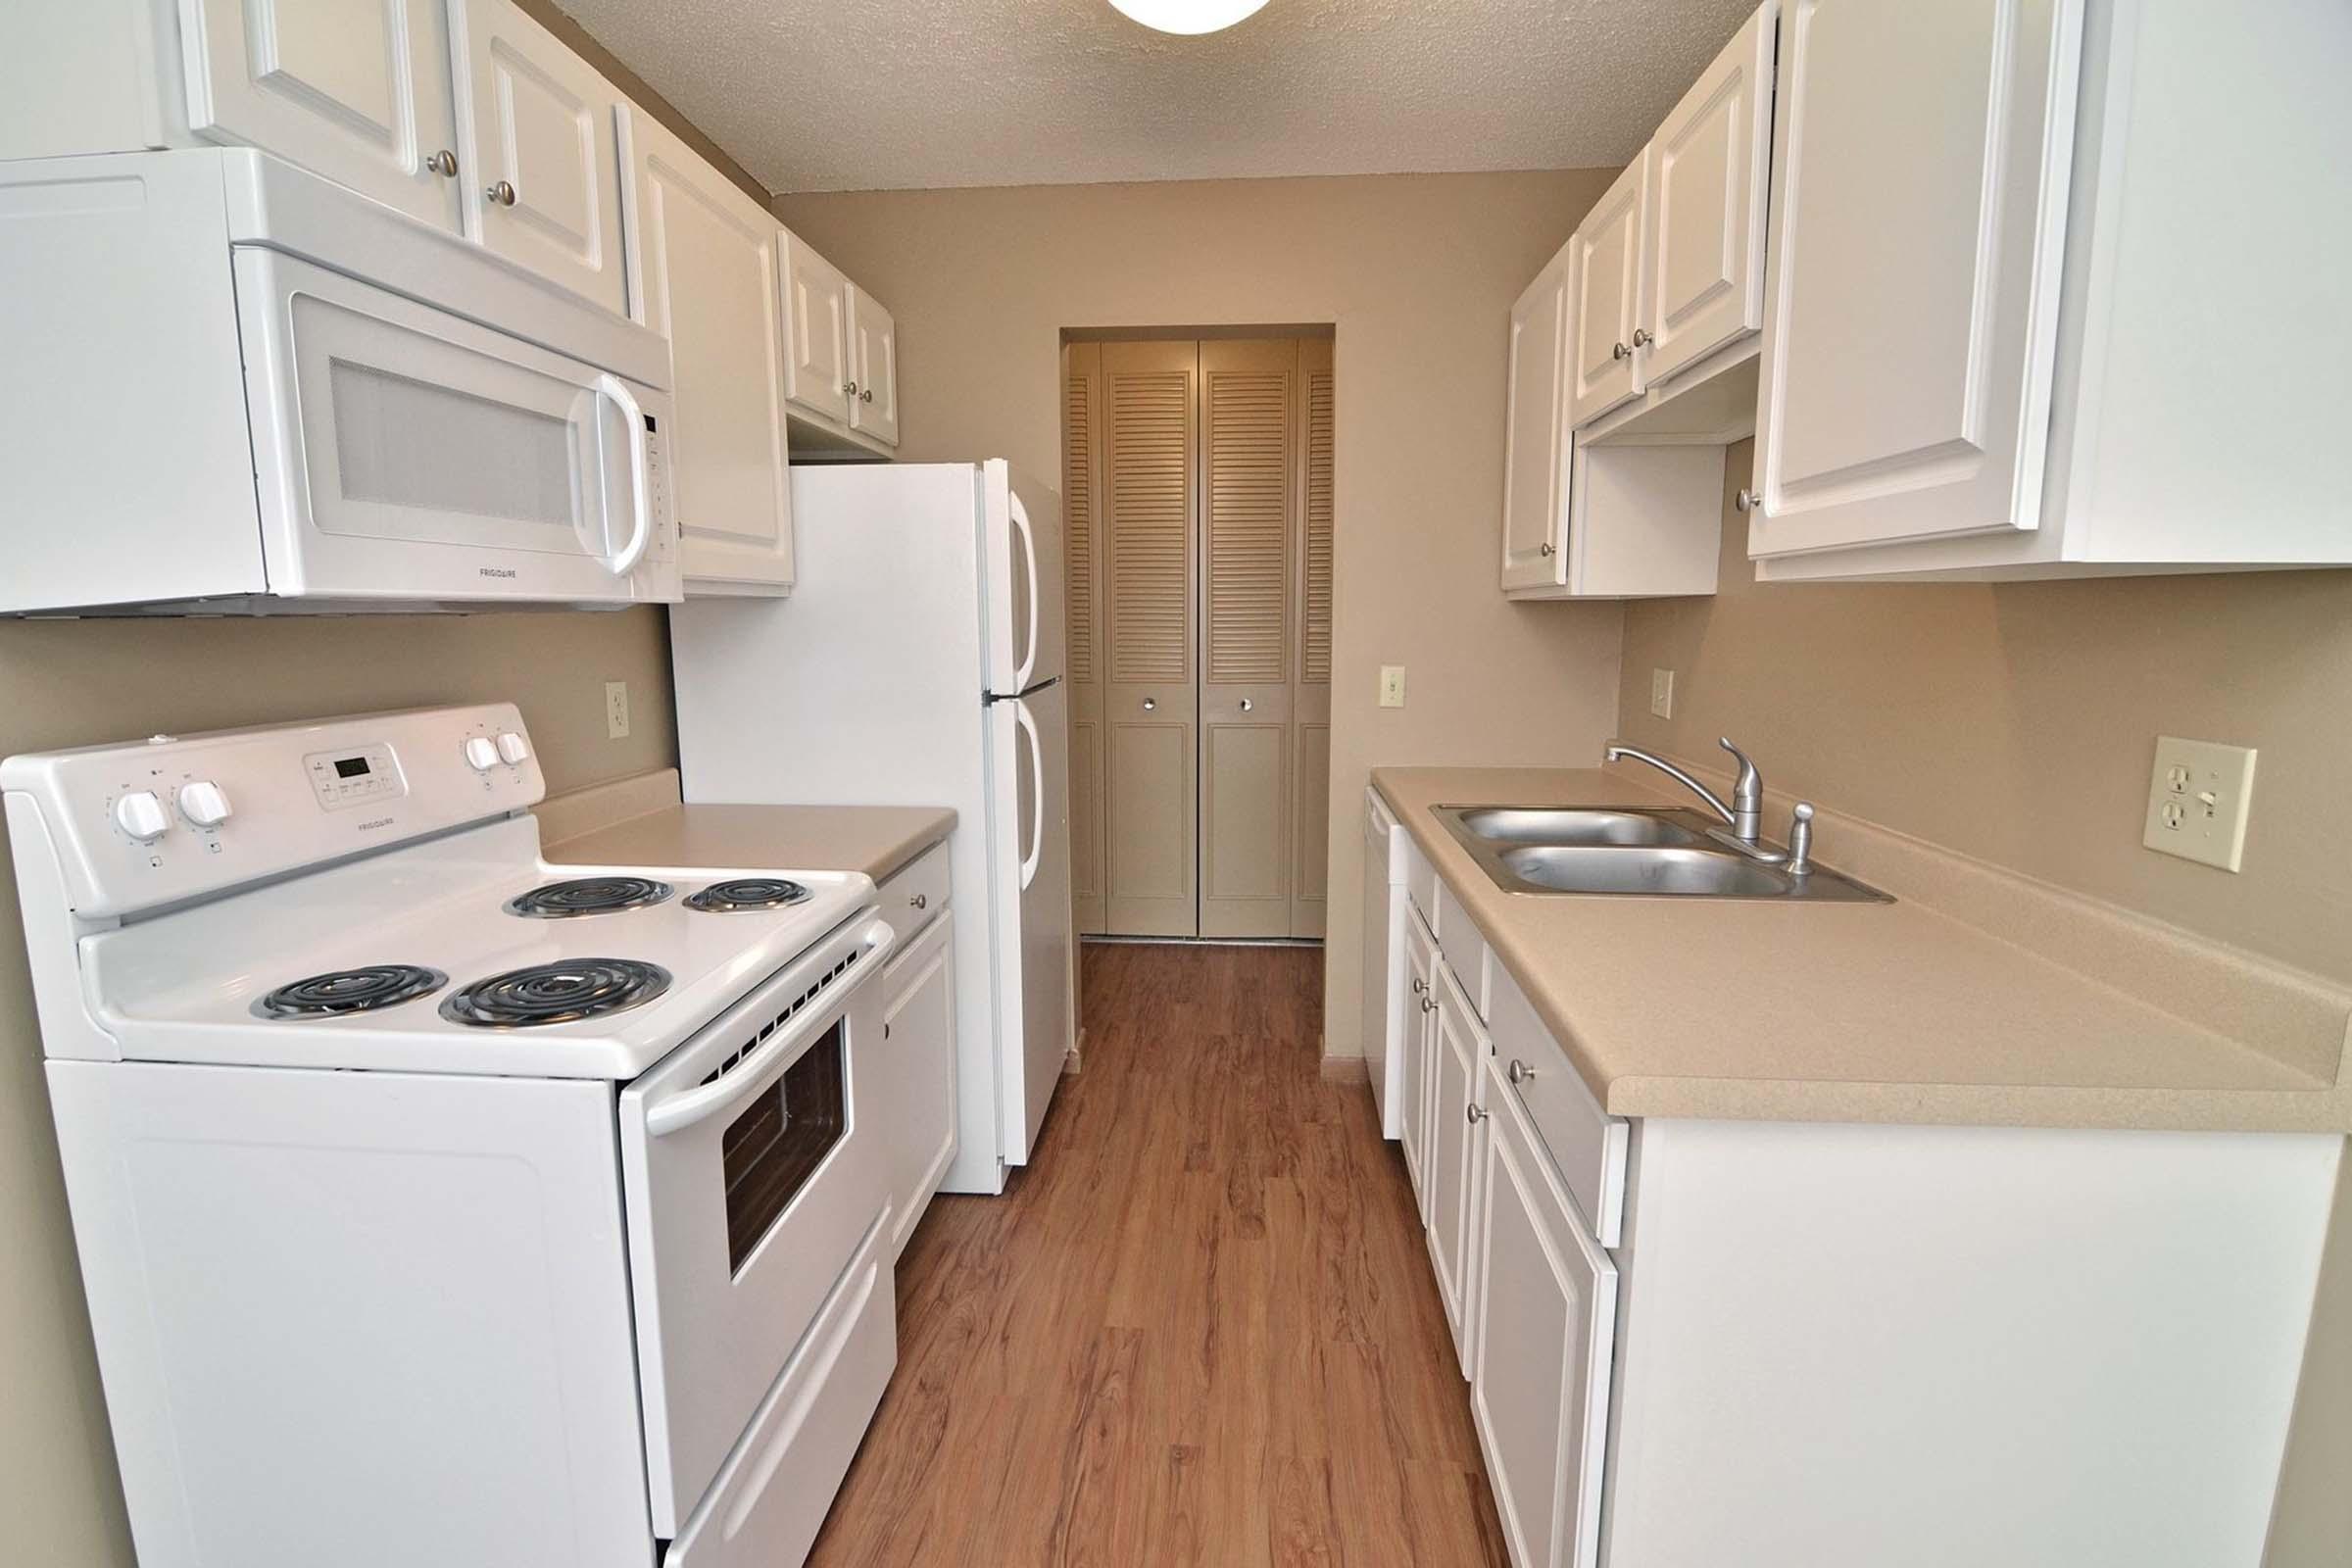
(1800,841)
(1748,791)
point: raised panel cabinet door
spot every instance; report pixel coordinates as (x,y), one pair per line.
(816,311)
(1709,185)
(1607,301)
(357,90)
(874,366)
(1249,502)
(1380,976)
(1420,1006)
(1534,546)
(1547,1327)
(918,1081)
(703,270)
(1150,602)
(1919,187)
(1082,544)
(1456,1156)
(541,128)
(1311,682)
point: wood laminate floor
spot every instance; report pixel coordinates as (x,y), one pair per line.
(1198,1329)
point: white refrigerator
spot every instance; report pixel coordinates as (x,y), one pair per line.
(920,661)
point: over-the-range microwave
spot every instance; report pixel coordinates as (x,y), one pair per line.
(240,387)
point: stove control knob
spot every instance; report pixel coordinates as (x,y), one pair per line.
(513,746)
(204,802)
(142,816)
(481,755)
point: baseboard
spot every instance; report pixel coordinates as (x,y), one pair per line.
(1346,1070)
(1070,1062)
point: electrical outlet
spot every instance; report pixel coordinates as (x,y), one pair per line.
(1392,685)
(616,710)
(1661,693)
(2198,797)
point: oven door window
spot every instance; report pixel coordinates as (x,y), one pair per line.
(776,1143)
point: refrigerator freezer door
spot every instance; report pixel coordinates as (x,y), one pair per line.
(1021,556)
(1029,874)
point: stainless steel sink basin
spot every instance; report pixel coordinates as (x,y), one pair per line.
(1594,825)
(1630,852)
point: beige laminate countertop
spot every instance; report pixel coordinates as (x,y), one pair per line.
(1894,1013)
(877,840)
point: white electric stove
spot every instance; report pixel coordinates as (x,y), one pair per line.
(435,1203)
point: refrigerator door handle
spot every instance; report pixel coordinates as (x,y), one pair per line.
(1037,794)
(1020,525)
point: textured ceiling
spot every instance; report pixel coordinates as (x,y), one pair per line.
(893,94)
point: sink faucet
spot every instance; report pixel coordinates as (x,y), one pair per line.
(1743,816)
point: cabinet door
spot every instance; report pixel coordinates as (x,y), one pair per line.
(1606,298)
(1420,1006)
(543,131)
(817,312)
(916,1076)
(1535,551)
(1382,938)
(1547,1329)
(357,90)
(703,263)
(1709,180)
(1456,1156)
(874,368)
(1911,295)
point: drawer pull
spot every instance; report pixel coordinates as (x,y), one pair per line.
(1420,986)
(1520,1072)
(1475,1114)
(1428,1005)
(922,901)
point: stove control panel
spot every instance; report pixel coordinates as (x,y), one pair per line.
(174,817)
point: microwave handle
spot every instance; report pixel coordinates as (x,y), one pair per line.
(705,1100)
(614,388)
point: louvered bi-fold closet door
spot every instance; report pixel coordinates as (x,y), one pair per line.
(1310,687)
(1150,451)
(1249,509)
(1082,535)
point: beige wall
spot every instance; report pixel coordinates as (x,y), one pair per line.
(2017,723)
(79,682)
(1417,274)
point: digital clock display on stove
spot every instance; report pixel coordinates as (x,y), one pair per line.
(351,767)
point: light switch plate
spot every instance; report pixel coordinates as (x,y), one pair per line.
(2198,797)
(616,710)
(1392,685)
(1661,693)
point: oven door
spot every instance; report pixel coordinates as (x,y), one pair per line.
(750,1178)
(401,451)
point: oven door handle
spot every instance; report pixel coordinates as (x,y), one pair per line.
(705,1100)
(618,392)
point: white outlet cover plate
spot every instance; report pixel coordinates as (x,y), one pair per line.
(2199,794)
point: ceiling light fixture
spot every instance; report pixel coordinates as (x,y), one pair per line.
(1189,17)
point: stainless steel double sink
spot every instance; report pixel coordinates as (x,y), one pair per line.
(1629,851)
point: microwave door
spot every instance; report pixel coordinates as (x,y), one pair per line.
(405,452)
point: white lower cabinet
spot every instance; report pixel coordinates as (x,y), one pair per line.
(1413,1041)
(1456,1141)
(916,1068)
(1546,1316)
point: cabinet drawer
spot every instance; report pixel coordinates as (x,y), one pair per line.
(915,893)
(1421,881)
(1586,1143)
(773,1491)
(1465,953)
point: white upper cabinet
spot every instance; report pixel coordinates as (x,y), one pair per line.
(2031,270)
(1912,291)
(704,260)
(1536,431)
(1709,176)
(543,126)
(817,304)
(874,368)
(357,90)
(1608,299)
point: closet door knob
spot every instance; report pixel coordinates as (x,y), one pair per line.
(502,193)
(1641,337)
(443,163)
